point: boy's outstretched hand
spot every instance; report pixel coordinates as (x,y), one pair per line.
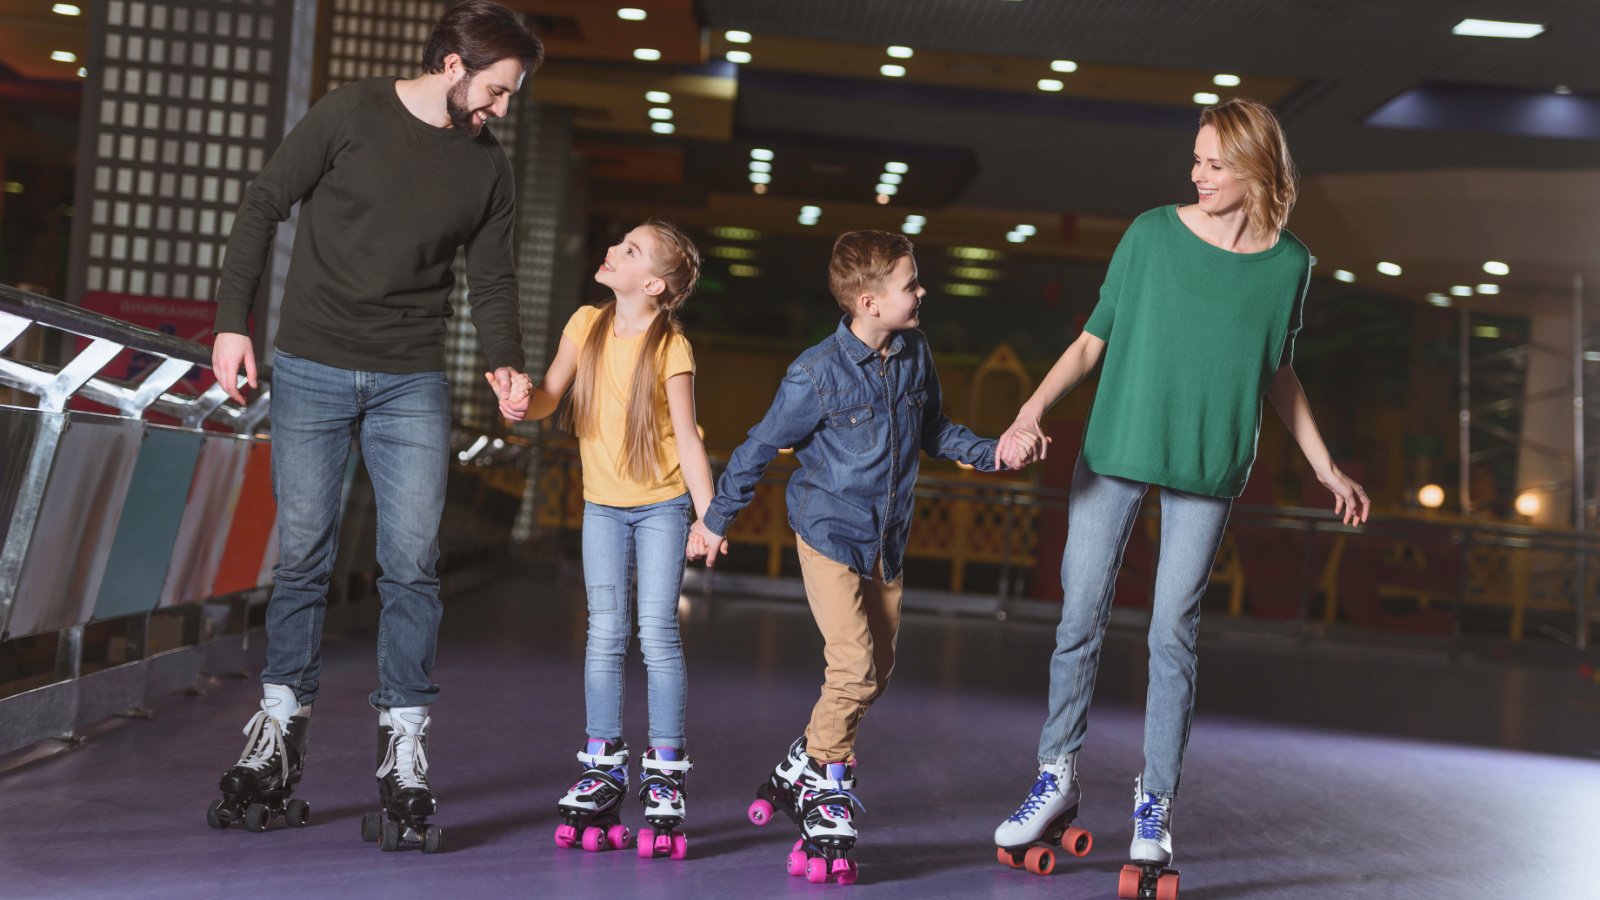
(703,543)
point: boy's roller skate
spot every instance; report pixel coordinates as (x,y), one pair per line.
(1043,821)
(827,832)
(403,784)
(1148,876)
(661,789)
(591,804)
(778,791)
(258,787)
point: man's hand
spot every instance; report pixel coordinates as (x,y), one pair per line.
(230,352)
(513,389)
(710,545)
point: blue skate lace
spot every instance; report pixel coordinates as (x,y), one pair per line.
(1150,818)
(1039,796)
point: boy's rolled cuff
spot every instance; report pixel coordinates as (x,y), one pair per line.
(716,521)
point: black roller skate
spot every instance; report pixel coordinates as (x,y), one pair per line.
(778,792)
(1148,877)
(259,786)
(403,784)
(827,831)
(661,789)
(1029,837)
(590,807)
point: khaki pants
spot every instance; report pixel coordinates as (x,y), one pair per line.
(859,620)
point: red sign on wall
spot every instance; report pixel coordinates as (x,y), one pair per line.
(190,320)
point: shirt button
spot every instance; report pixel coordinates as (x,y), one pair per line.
(852,420)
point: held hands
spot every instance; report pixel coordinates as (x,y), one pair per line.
(513,389)
(702,543)
(1022,444)
(1350,501)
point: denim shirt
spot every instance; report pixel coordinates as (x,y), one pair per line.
(858,423)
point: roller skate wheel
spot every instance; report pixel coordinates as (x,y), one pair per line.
(618,837)
(389,836)
(255,817)
(1007,858)
(845,871)
(1039,861)
(297,813)
(214,816)
(816,870)
(1077,841)
(1167,886)
(1128,883)
(760,812)
(647,843)
(594,839)
(797,862)
(371,826)
(566,836)
(680,847)
(432,839)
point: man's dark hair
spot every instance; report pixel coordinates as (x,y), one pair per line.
(483,33)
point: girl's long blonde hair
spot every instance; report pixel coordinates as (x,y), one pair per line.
(677,263)
(1254,147)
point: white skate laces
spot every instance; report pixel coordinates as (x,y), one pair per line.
(264,731)
(407,757)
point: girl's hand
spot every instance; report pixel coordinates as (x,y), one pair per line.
(1350,500)
(696,547)
(1023,443)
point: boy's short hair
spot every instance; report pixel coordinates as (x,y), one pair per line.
(861,261)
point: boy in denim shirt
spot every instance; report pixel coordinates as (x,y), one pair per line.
(858,409)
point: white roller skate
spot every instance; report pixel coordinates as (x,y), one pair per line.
(662,777)
(1147,876)
(1044,821)
(590,807)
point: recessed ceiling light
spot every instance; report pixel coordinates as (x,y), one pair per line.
(1438,299)
(761,153)
(915,219)
(1225,80)
(66,9)
(898,168)
(739,270)
(810,210)
(1563,89)
(960,289)
(1344,275)
(1496,268)
(1492,28)
(739,56)
(663,127)
(807,220)
(82,72)
(1015,238)
(737,37)
(1461,290)
(1486,331)
(735,233)
(983,253)
(660,113)
(1205,98)
(632,14)
(1063,65)
(1026,230)
(892,70)
(647,54)
(658,96)
(890,178)
(883,199)
(975,273)
(759,188)
(899,52)
(1388,268)
(733,253)
(63,56)
(1489,289)
(757,165)
(890,189)
(760,178)
(1050,84)
(911,228)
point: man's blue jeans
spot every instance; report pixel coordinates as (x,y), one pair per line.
(403,423)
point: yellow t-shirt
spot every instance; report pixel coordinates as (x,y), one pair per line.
(601,453)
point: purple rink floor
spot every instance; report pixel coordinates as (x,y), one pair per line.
(1273,804)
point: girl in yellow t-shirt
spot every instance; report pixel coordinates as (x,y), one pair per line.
(632,375)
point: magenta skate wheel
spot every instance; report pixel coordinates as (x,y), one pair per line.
(845,871)
(760,812)
(594,839)
(680,847)
(617,836)
(566,836)
(797,862)
(647,843)
(816,870)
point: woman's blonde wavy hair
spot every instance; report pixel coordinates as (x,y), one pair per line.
(1254,149)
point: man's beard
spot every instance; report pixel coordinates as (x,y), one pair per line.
(455,103)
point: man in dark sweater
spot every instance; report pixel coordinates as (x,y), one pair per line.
(393,176)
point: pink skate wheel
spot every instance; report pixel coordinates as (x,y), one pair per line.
(617,836)
(760,812)
(1167,886)
(797,862)
(680,847)
(816,870)
(647,843)
(1077,841)
(845,870)
(566,836)
(594,839)
(799,843)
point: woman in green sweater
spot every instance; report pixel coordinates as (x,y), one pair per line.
(1196,324)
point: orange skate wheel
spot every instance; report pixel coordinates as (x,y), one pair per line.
(1007,858)
(1040,861)
(1077,841)
(1167,886)
(1128,883)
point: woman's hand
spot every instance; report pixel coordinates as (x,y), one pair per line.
(1350,500)
(1023,443)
